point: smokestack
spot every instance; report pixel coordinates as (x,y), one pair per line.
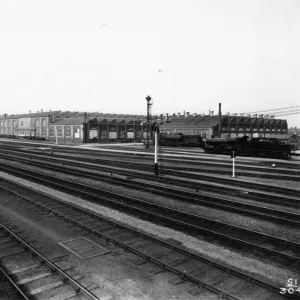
(220,120)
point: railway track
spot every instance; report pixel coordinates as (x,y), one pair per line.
(278,216)
(268,194)
(182,174)
(37,275)
(201,227)
(192,164)
(206,275)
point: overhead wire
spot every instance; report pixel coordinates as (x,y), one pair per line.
(275,109)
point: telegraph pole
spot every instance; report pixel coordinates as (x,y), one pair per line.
(149,103)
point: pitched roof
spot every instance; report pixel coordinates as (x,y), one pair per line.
(72,121)
(191,122)
(31,115)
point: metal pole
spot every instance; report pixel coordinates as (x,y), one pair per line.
(220,121)
(56,135)
(148,98)
(233,171)
(156,152)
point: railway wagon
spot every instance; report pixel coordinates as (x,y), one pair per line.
(272,148)
(179,140)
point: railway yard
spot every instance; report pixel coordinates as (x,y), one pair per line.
(95,222)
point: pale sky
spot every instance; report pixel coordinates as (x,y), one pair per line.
(55,55)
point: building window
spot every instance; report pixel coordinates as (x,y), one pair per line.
(59,131)
(51,131)
(68,132)
(44,123)
(76,133)
(37,123)
(44,131)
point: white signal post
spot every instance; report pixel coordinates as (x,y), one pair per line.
(56,135)
(156,150)
(233,171)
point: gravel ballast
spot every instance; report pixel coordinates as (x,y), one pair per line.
(272,272)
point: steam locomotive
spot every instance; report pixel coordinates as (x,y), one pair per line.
(263,147)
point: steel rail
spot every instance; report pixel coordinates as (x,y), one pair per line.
(78,287)
(253,195)
(230,205)
(228,165)
(138,153)
(160,207)
(146,257)
(272,172)
(16,287)
(187,225)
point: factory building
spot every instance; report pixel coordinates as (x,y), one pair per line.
(77,127)
(231,125)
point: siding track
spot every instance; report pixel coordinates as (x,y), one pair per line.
(36,278)
(208,276)
(250,190)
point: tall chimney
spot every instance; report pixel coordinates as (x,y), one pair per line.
(220,120)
